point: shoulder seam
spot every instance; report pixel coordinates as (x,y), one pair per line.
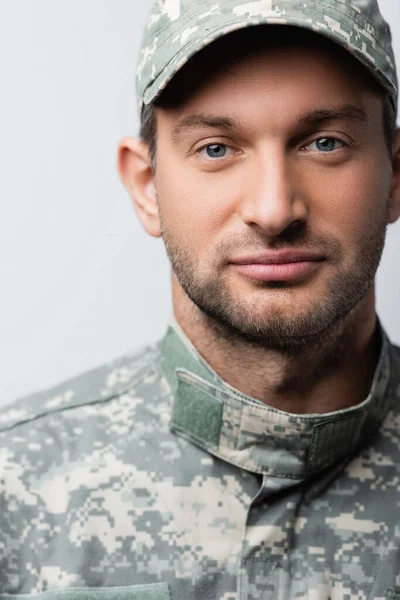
(140,375)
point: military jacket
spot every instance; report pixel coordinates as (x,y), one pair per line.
(151,478)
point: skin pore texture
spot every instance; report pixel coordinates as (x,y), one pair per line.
(281,150)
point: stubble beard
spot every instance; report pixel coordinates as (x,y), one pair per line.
(288,333)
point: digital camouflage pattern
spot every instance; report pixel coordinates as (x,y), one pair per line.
(178,29)
(153,479)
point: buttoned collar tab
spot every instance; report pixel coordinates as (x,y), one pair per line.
(258,438)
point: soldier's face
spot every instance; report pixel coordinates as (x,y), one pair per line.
(284,151)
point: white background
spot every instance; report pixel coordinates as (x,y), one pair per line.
(80,282)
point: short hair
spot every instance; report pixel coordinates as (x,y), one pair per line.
(251,39)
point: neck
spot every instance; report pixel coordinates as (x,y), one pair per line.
(329,374)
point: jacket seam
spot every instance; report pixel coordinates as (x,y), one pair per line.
(138,378)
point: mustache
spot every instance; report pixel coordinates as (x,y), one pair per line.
(295,239)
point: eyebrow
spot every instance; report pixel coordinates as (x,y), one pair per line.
(344,112)
(197,121)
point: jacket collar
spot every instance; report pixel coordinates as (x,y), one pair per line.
(258,438)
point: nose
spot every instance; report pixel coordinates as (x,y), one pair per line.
(271,201)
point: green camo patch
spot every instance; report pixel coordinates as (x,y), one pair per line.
(197,413)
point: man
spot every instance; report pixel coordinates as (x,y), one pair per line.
(254,452)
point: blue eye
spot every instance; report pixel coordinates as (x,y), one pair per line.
(216,150)
(325,145)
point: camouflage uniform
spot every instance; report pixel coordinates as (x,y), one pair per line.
(153,479)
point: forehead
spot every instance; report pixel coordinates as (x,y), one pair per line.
(272,54)
(280,75)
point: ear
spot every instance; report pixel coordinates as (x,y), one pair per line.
(394,208)
(136,172)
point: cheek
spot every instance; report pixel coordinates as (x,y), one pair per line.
(193,205)
(352,200)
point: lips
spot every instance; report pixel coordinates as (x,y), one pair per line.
(280,266)
(279,258)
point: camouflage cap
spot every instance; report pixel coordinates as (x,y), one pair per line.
(178,29)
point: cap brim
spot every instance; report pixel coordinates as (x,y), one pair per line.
(198,43)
